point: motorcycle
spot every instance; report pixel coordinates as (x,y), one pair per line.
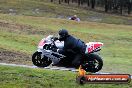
(45,55)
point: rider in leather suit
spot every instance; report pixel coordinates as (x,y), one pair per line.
(73,45)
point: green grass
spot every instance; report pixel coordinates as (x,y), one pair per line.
(18,42)
(117,39)
(55,10)
(19,77)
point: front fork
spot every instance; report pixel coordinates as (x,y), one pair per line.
(41,52)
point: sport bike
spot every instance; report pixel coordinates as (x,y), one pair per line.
(45,55)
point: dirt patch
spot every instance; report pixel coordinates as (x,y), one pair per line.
(21,28)
(14,26)
(14,57)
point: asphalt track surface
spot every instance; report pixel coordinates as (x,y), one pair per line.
(51,68)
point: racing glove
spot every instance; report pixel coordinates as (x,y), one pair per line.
(55,38)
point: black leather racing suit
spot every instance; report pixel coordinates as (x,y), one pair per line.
(75,46)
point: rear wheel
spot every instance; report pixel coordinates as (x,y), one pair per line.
(93,63)
(40,62)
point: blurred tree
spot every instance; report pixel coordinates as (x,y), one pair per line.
(92,4)
(59,1)
(129,5)
(121,6)
(106,5)
(79,2)
(88,4)
(116,6)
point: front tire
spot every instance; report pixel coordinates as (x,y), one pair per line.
(39,61)
(93,63)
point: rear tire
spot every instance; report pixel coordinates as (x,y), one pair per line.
(93,63)
(40,62)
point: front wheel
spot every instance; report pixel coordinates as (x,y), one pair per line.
(39,61)
(92,63)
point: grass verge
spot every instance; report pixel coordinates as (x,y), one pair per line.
(19,77)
